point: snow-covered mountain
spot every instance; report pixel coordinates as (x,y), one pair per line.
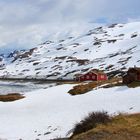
(112,48)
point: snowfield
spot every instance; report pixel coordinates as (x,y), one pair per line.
(50,113)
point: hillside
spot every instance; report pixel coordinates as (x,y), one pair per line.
(112,48)
(122,127)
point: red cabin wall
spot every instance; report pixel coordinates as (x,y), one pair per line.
(102,77)
(89,77)
(92,77)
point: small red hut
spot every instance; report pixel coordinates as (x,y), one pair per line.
(133,74)
(93,75)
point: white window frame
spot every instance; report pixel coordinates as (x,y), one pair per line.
(93,76)
(102,76)
(87,77)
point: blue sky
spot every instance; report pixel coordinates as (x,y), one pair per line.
(26,23)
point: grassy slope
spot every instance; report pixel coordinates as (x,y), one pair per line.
(86,87)
(122,127)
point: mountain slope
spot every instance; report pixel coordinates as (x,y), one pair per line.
(112,48)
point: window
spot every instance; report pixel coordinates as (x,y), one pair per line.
(82,77)
(87,76)
(102,76)
(93,77)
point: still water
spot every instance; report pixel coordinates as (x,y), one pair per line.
(22,86)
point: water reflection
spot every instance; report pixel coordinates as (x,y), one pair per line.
(22,86)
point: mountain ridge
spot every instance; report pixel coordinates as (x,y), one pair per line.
(112,48)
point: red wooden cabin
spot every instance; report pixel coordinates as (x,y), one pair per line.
(93,75)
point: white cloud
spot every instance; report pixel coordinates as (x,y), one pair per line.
(29,22)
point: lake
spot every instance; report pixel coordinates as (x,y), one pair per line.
(22,86)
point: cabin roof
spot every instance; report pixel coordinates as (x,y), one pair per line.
(95,71)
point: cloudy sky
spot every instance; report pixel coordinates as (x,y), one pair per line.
(26,23)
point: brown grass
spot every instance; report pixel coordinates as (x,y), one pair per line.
(82,88)
(122,127)
(11,97)
(134,84)
(86,87)
(90,122)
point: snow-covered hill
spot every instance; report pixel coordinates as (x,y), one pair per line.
(51,113)
(112,48)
